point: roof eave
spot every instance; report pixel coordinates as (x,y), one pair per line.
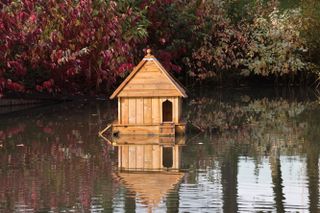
(124,83)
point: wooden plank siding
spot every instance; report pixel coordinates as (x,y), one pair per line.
(119,111)
(156,111)
(146,110)
(139,115)
(175,109)
(132,110)
(148,93)
(124,111)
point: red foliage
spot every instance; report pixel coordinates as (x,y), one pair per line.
(15,86)
(17,67)
(81,44)
(39,88)
(125,67)
(48,84)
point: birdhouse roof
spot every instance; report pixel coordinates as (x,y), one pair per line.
(149,79)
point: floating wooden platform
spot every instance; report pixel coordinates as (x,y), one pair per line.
(164,129)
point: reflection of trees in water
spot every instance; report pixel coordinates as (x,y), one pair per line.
(223,154)
(312,148)
(80,120)
(229,181)
(276,173)
(313,174)
(50,183)
(260,124)
(256,128)
(211,114)
(62,165)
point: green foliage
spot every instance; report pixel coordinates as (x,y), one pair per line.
(217,45)
(275,45)
(311,31)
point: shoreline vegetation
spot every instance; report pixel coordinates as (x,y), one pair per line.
(210,111)
(85,48)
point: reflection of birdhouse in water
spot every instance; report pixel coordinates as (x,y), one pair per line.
(149,166)
(142,153)
(149,101)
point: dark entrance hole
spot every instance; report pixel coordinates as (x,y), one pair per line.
(167,111)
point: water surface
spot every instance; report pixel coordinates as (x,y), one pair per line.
(259,151)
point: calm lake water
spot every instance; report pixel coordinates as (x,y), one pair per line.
(258,151)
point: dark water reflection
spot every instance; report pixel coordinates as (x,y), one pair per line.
(259,152)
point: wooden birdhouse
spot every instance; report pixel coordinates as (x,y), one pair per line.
(149,101)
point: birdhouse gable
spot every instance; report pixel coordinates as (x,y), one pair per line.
(149,79)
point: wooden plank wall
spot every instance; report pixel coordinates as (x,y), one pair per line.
(132,110)
(140,110)
(119,111)
(124,111)
(146,110)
